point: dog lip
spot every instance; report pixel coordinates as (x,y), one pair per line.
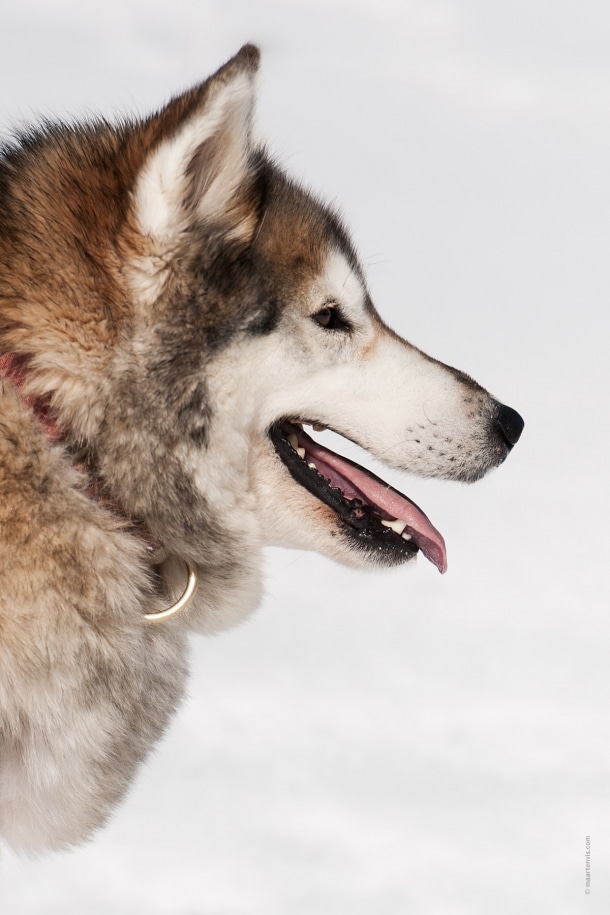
(360,498)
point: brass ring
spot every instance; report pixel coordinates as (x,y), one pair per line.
(182,602)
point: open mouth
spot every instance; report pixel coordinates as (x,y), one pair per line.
(370,510)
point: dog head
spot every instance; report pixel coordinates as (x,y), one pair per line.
(209,307)
(300,342)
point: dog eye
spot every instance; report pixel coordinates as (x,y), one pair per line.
(330,319)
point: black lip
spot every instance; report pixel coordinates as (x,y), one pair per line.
(360,521)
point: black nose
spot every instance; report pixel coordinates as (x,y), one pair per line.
(510,424)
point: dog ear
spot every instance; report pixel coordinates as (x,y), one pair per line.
(197,169)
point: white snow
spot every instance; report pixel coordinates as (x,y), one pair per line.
(393,743)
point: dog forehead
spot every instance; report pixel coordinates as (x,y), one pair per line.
(297,230)
(339,281)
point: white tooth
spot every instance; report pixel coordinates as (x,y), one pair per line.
(396,525)
(293,440)
(406,536)
(301,452)
(313,466)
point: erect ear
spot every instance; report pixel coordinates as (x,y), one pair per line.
(196,171)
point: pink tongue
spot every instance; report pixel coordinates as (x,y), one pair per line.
(428,539)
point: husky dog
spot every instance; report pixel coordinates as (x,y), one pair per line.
(173,310)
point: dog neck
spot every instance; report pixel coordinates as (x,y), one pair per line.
(15,369)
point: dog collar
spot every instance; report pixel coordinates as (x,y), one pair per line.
(14,369)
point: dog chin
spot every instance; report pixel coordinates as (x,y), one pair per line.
(318,529)
(293,518)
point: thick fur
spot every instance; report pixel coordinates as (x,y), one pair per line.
(159,283)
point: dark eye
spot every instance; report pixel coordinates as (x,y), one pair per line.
(330,319)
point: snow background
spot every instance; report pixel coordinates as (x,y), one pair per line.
(400,742)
